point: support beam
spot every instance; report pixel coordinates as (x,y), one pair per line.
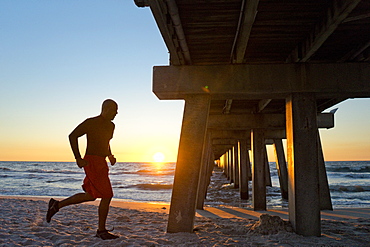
(227,162)
(325,199)
(260,121)
(263,81)
(354,53)
(189,159)
(243,169)
(205,173)
(258,170)
(336,14)
(262,104)
(303,172)
(176,23)
(219,150)
(226,141)
(236,166)
(160,11)
(247,17)
(223,161)
(281,167)
(231,165)
(268,181)
(244,134)
(357,17)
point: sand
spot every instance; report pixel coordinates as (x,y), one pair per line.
(22,223)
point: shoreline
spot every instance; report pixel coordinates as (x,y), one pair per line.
(120,203)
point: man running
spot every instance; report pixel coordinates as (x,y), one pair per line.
(99,130)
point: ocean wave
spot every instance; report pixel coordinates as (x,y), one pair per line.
(152,186)
(355,169)
(351,188)
(66,180)
(4,169)
(53,171)
(144,172)
(358,176)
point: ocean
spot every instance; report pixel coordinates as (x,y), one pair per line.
(349,182)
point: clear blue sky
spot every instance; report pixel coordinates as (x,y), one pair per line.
(60,59)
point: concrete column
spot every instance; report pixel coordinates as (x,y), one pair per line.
(249,165)
(204,176)
(325,199)
(236,167)
(258,169)
(223,162)
(267,170)
(281,167)
(226,165)
(243,169)
(231,165)
(189,159)
(303,172)
(226,161)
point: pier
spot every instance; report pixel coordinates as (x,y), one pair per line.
(253,73)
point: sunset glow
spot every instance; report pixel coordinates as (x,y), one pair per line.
(158,157)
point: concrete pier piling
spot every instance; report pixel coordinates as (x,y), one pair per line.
(303,170)
(185,187)
(267,170)
(243,169)
(325,199)
(236,164)
(206,172)
(281,167)
(258,170)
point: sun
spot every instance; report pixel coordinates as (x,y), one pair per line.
(158,157)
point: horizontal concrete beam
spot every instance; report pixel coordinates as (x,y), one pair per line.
(231,142)
(262,81)
(227,134)
(260,121)
(219,148)
(224,141)
(245,134)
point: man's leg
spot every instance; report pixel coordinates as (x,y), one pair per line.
(102,232)
(76,199)
(55,205)
(103,212)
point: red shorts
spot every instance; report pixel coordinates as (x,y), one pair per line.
(97,182)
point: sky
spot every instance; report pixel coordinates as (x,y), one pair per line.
(59,60)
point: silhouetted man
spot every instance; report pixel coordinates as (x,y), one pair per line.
(99,131)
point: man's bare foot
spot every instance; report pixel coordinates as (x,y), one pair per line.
(53,209)
(105,234)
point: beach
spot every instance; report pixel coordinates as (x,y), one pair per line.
(22,223)
(225,221)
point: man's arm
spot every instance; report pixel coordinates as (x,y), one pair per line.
(111,157)
(80,130)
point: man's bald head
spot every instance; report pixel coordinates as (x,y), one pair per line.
(109,109)
(109,103)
